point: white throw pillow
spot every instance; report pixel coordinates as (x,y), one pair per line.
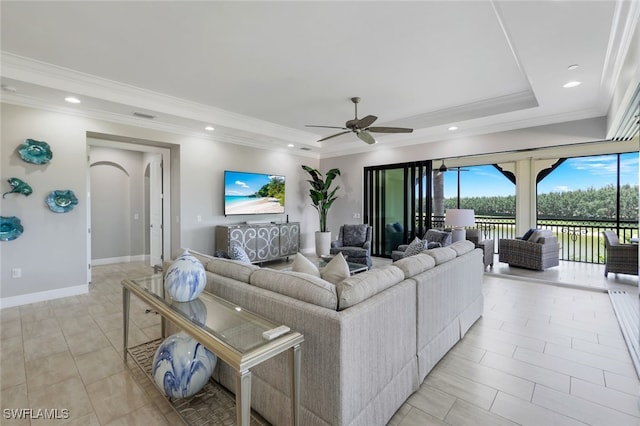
(336,270)
(302,264)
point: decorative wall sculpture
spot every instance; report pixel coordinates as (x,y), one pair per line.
(10,228)
(36,152)
(18,186)
(61,201)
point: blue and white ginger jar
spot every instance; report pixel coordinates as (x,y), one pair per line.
(182,366)
(185,279)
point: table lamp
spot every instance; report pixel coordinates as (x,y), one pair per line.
(458,219)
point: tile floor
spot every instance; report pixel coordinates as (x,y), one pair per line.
(541,355)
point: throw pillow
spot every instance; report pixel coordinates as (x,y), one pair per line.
(433,244)
(416,246)
(302,264)
(539,233)
(398,227)
(527,234)
(336,270)
(237,253)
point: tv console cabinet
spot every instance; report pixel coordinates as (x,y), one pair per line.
(261,241)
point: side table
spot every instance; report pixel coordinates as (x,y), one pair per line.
(229,331)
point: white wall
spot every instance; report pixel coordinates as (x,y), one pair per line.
(52,252)
(117,203)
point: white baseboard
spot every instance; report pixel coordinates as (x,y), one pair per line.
(122,259)
(24,299)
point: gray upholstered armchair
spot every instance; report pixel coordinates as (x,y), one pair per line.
(621,258)
(540,251)
(354,241)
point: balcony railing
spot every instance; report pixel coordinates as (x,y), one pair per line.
(580,240)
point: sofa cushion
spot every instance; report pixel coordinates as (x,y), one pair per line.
(414,265)
(336,270)
(229,268)
(438,236)
(416,246)
(238,253)
(462,247)
(298,285)
(354,235)
(441,254)
(302,264)
(362,286)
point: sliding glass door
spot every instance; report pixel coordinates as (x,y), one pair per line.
(397,203)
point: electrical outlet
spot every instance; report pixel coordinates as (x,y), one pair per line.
(356,215)
(16,273)
(199,218)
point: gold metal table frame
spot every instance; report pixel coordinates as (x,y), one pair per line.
(229,331)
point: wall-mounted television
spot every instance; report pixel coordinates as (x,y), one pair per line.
(253,193)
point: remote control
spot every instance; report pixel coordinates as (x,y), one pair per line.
(275,332)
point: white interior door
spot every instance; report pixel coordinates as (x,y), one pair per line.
(155,210)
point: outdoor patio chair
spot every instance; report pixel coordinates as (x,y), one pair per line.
(621,258)
(540,251)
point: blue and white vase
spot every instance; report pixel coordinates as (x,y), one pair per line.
(182,366)
(185,279)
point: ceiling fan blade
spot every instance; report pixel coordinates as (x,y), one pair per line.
(366,121)
(326,127)
(333,136)
(366,137)
(389,130)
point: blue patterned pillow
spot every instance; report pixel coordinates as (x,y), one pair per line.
(416,246)
(237,253)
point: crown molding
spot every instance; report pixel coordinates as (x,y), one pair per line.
(234,137)
(623,26)
(43,74)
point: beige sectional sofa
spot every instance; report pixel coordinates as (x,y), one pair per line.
(369,340)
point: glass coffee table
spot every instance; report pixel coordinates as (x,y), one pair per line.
(234,334)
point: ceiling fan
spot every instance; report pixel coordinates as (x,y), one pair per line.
(361,127)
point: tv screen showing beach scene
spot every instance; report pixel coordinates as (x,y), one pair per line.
(253,193)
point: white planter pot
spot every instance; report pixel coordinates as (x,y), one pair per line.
(323,243)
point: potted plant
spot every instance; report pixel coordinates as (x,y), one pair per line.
(322,197)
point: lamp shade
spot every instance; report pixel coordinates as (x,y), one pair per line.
(458,218)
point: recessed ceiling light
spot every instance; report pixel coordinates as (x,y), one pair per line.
(571,84)
(72,100)
(452,128)
(209,128)
(291,145)
(573,67)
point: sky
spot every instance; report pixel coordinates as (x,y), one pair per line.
(240,183)
(573,174)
